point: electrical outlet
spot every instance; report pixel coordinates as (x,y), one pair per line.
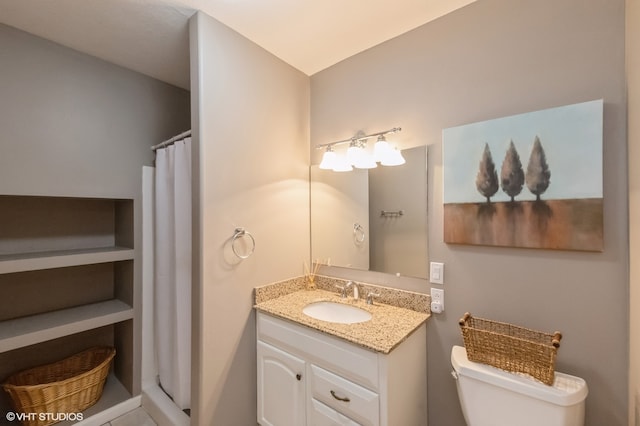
(436,272)
(437,300)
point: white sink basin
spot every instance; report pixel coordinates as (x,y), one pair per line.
(336,312)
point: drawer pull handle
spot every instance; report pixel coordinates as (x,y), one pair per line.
(339,398)
(298,376)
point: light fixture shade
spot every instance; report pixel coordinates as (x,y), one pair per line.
(342,164)
(394,158)
(355,152)
(381,149)
(328,159)
(359,157)
(366,161)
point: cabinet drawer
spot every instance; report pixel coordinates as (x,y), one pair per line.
(346,397)
(347,359)
(321,415)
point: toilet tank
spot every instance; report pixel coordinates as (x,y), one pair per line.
(493,397)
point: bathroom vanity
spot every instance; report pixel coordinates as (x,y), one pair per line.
(313,372)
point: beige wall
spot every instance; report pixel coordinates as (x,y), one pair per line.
(251,114)
(633,112)
(74,125)
(490,59)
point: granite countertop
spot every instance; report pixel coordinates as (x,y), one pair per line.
(388,327)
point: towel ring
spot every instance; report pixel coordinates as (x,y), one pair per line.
(358,233)
(237,234)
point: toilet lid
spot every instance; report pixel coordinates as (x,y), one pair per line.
(566,389)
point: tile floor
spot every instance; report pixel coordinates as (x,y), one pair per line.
(137,417)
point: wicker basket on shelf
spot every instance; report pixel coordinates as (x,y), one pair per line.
(67,386)
(511,348)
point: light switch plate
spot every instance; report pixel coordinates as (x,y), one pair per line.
(436,272)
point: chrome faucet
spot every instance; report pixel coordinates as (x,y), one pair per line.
(356,289)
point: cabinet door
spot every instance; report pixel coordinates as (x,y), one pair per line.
(281,389)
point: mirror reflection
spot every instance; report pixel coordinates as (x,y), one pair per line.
(372,219)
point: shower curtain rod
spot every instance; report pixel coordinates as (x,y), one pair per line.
(172,140)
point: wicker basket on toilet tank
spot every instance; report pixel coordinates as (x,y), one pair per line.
(511,348)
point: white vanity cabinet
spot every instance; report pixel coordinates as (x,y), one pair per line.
(307,377)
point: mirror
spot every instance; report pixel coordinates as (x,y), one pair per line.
(373,219)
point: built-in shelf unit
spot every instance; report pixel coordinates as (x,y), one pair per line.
(66,284)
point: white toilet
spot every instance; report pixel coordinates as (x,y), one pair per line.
(493,397)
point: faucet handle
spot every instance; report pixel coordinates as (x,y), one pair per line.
(370,297)
(343,290)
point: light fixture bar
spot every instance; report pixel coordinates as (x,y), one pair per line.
(359,137)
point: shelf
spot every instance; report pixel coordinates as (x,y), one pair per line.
(22,262)
(68,278)
(113,393)
(21,332)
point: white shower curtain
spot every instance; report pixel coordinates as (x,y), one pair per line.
(173,270)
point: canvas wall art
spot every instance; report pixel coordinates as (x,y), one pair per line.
(531,180)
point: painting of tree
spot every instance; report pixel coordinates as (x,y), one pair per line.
(538,175)
(512,202)
(487,178)
(512,175)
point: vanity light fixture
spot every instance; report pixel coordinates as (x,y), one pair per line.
(359,156)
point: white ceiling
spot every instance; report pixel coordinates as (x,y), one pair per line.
(151,36)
